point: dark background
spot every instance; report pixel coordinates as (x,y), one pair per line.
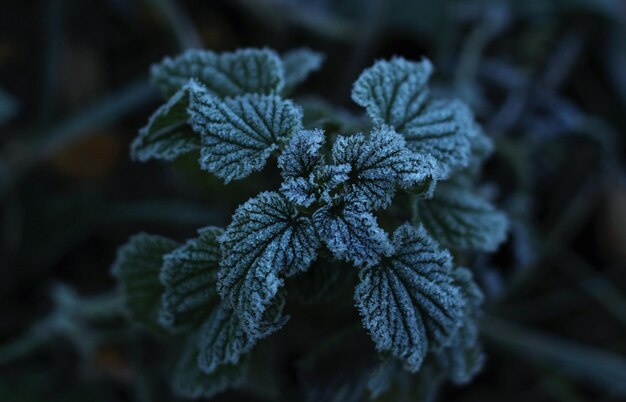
(546,78)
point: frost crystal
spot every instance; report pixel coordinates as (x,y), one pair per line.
(239,134)
(409,302)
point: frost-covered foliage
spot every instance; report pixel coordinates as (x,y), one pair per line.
(226,289)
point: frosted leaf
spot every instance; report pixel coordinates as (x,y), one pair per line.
(267,239)
(300,191)
(137,267)
(224,74)
(302,155)
(330,177)
(393,91)
(298,64)
(300,158)
(350,231)
(379,164)
(463,358)
(239,134)
(189,277)
(223,340)
(409,302)
(460,219)
(188,381)
(395,94)
(442,129)
(167,134)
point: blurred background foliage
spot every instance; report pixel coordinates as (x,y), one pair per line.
(547,79)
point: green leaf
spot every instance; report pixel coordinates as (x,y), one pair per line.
(188,381)
(379,164)
(442,129)
(167,134)
(225,74)
(463,357)
(137,267)
(239,134)
(224,341)
(189,277)
(351,232)
(409,302)
(298,64)
(460,219)
(395,93)
(267,239)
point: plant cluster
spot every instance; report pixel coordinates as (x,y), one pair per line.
(226,289)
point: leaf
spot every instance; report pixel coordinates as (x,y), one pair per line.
(350,231)
(302,155)
(189,277)
(298,64)
(463,358)
(409,302)
(462,220)
(379,164)
(189,381)
(239,134)
(298,162)
(223,340)
(167,134)
(442,129)
(395,94)
(137,267)
(226,74)
(267,239)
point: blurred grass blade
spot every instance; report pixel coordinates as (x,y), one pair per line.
(601,368)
